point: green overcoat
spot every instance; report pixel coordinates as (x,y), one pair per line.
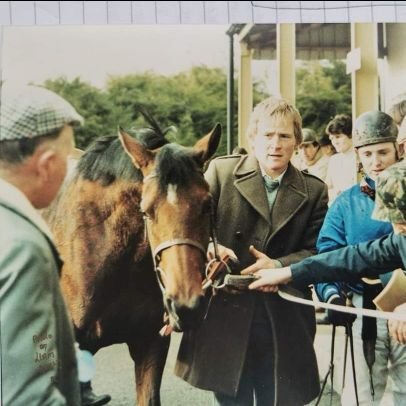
(212,357)
(37,344)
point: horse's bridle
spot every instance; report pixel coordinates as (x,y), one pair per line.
(156,254)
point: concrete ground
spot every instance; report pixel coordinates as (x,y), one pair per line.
(114,375)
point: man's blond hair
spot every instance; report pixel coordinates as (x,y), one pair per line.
(275,107)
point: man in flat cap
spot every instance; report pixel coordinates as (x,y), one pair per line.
(37,343)
(398,112)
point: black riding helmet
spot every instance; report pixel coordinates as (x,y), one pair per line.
(374,127)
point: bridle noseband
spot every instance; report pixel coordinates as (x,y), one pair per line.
(156,255)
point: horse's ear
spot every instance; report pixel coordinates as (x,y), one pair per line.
(207,146)
(140,156)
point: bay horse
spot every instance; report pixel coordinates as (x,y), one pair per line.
(127,211)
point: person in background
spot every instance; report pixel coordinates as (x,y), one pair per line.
(398,109)
(348,221)
(311,156)
(325,145)
(368,259)
(38,358)
(398,112)
(254,346)
(342,168)
(402,138)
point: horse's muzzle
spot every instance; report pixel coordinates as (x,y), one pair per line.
(183,318)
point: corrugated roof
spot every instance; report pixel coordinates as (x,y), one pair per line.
(313,41)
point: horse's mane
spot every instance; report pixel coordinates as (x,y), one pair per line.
(106,161)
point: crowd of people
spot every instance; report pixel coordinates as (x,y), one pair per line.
(250,334)
(373,151)
(293,195)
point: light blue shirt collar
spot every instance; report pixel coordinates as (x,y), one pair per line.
(279,178)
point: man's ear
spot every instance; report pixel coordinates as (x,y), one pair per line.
(43,163)
(402,147)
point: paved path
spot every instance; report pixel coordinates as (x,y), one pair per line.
(118,381)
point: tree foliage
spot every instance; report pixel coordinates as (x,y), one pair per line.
(192,101)
(321,93)
(94,105)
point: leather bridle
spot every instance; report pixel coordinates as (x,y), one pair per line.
(157,252)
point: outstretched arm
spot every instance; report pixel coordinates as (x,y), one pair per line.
(353,262)
(346,264)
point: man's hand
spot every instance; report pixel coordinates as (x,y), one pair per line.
(397,329)
(222,252)
(262,262)
(339,318)
(269,279)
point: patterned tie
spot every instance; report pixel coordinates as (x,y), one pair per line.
(365,188)
(271,184)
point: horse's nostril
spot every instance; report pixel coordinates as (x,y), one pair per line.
(188,317)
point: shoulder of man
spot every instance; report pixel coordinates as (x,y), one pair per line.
(227,160)
(232,157)
(19,228)
(313,178)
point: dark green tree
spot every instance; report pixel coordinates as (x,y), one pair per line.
(321,93)
(93,104)
(192,101)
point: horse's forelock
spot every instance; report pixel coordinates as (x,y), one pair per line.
(175,165)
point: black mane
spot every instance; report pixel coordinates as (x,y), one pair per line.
(105,159)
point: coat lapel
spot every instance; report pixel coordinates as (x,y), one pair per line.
(250,184)
(292,195)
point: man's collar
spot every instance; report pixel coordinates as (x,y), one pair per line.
(13,197)
(279,178)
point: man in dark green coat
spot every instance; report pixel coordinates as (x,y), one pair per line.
(253,345)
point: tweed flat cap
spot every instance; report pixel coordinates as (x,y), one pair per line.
(33,111)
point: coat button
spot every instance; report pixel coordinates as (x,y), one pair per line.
(238,234)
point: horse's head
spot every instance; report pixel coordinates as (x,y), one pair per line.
(176,202)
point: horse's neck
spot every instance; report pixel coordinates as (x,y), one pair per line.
(106,218)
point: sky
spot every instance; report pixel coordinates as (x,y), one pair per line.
(34,54)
